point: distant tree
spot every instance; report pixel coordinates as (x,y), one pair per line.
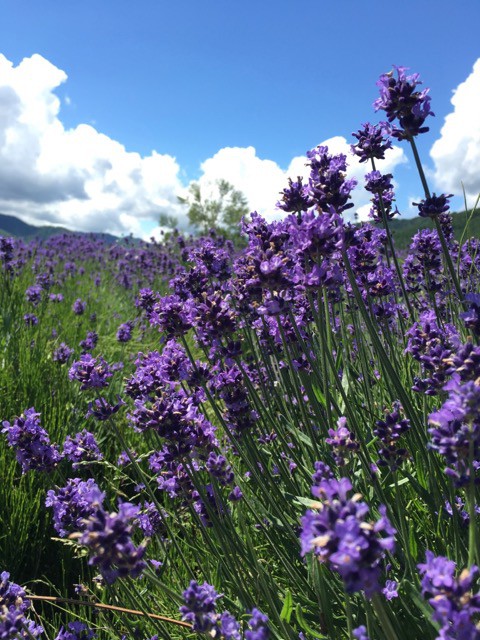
(222,213)
(169,221)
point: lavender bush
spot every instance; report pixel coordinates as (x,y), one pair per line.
(278,442)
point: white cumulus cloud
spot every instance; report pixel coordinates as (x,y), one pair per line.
(78,178)
(456,153)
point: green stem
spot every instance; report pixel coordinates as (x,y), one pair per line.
(383,617)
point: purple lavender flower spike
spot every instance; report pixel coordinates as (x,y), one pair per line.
(401,101)
(455,606)
(340,535)
(31,443)
(108,536)
(79,307)
(73,504)
(433,206)
(82,447)
(93,373)
(372,142)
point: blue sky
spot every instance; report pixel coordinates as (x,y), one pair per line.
(190,78)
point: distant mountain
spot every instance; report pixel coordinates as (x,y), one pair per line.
(11,226)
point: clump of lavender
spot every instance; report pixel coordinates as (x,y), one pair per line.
(31,442)
(79,307)
(401,101)
(455,429)
(340,535)
(82,447)
(201,611)
(455,606)
(6,252)
(73,504)
(108,537)
(93,373)
(124,332)
(34,294)
(90,341)
(62,353)
(13,606)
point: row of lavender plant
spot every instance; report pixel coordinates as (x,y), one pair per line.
(291,447)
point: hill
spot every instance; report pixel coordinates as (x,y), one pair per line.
(11,226)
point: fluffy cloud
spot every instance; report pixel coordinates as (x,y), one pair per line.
(82,179)
(78,178)
(456,153)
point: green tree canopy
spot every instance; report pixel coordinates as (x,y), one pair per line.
(222,212)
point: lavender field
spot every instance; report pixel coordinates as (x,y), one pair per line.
(280,441)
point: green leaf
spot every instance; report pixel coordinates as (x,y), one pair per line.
(287,609)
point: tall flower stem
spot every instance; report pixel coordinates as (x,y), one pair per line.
(383,617)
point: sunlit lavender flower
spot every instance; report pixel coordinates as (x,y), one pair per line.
(258,626)
(79,307)
(90,342)
(402,102)
(73,504)
(12,594)
(13,606)
(455,605)
(328,184)
(93,373)
(82,447)
(124,333)
(62,353)
(76,631)
(433,206)
(200,607)
(296,197)
(455,429)
(34,294)
(108,537)
(372,142)
(200,610)
(31,442)
(340,535)
(343,442)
